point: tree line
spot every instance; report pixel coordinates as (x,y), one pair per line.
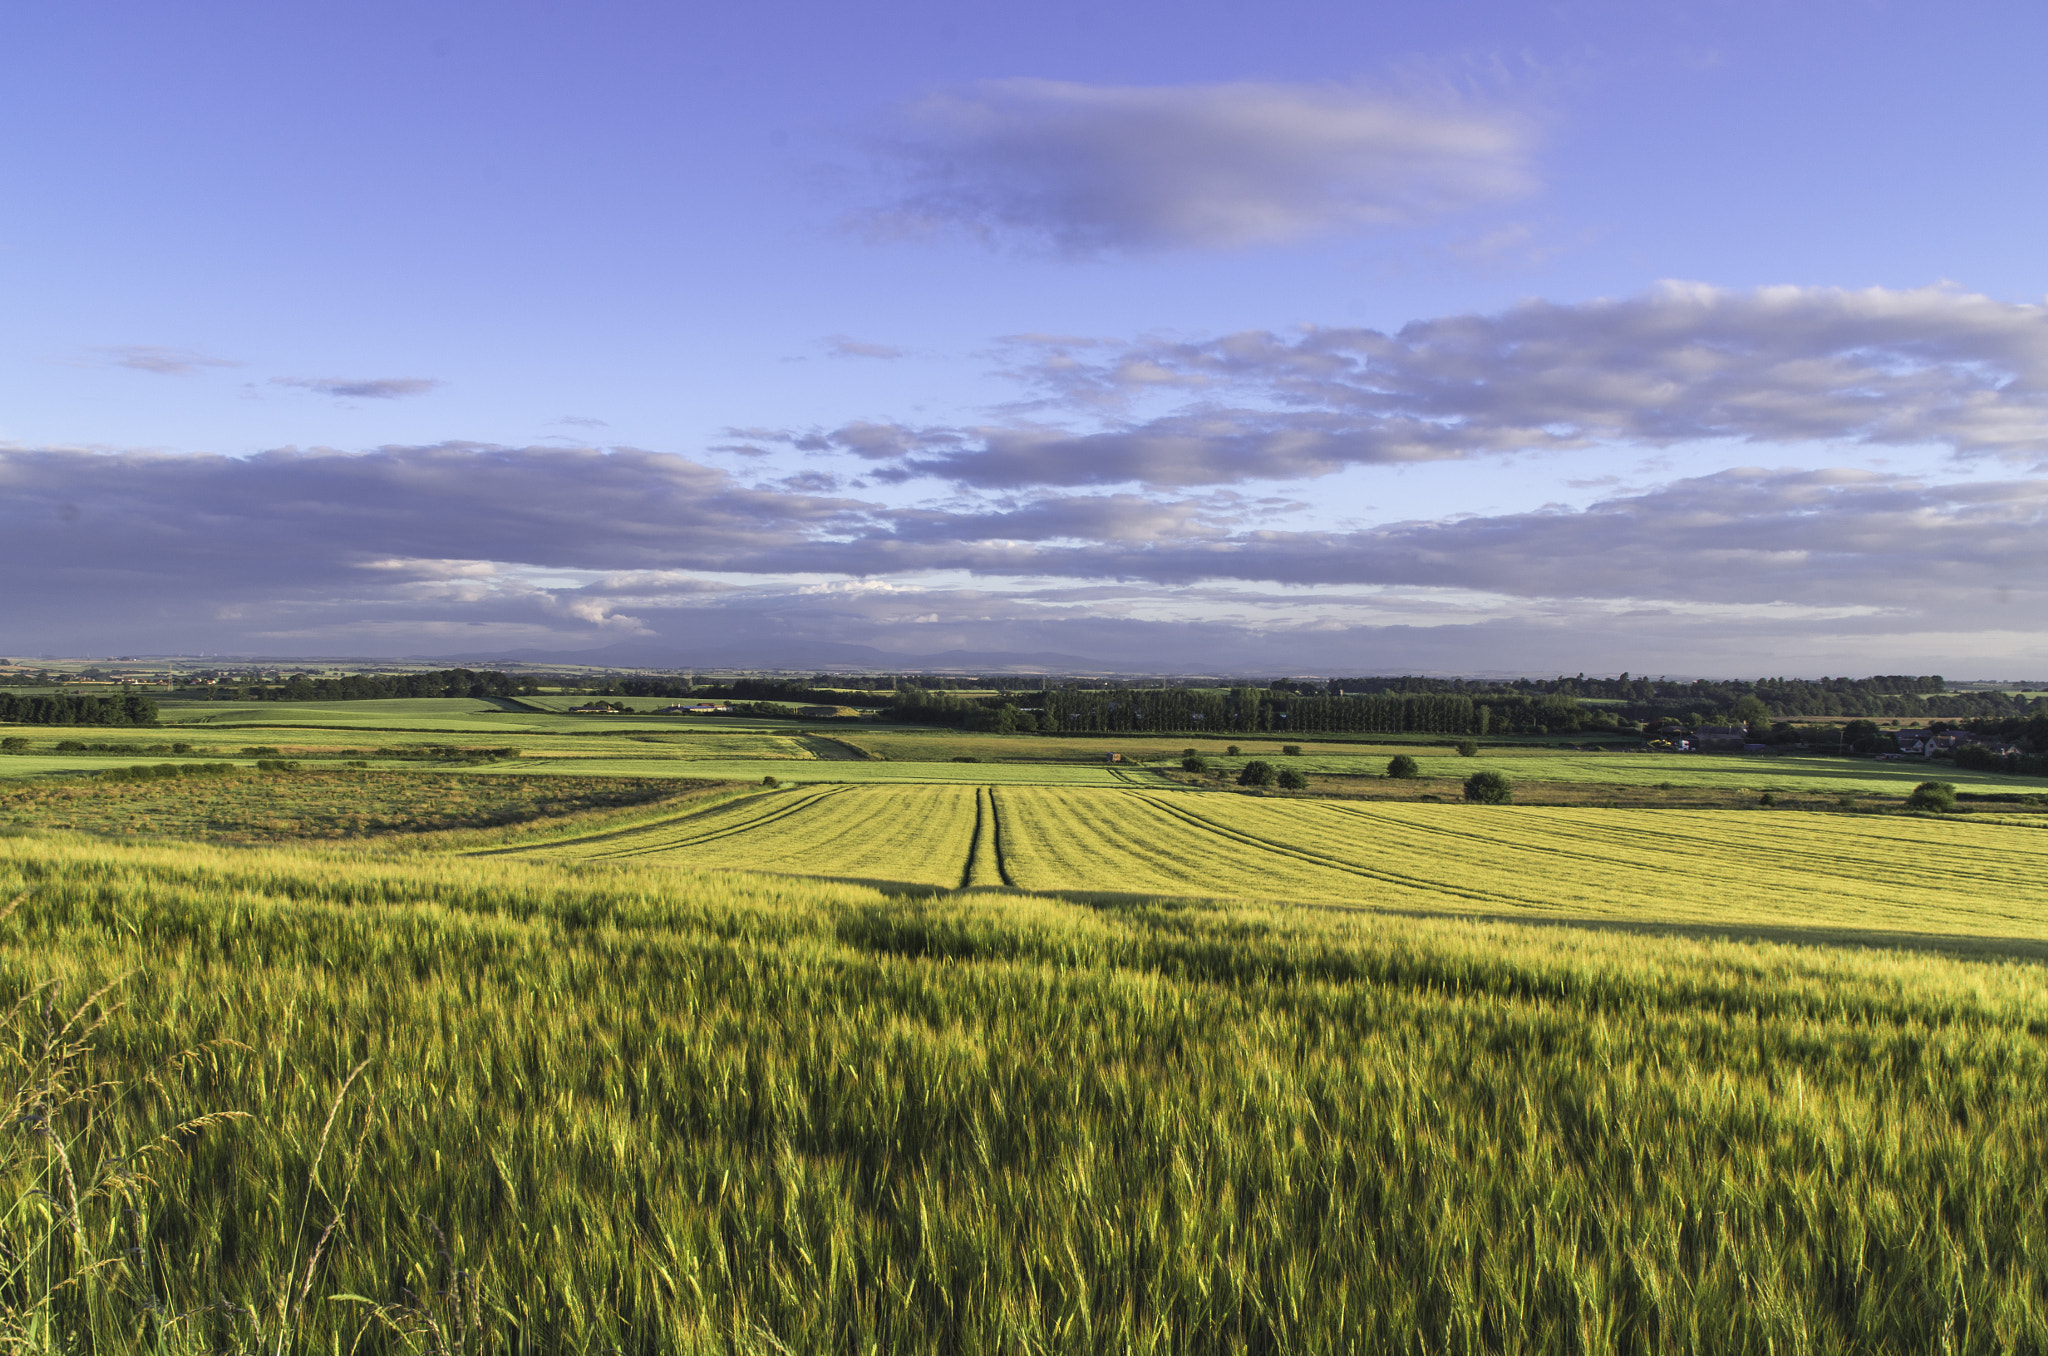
(366,687)
(129,708)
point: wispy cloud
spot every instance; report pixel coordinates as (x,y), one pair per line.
(167,362)
(1084,169)
(362,388)
(846,346)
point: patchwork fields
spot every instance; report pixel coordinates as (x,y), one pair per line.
(568,1034)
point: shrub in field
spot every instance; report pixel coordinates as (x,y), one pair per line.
(1932,796)
(1291,750)
(1402,766)
(770,781)
(70,746)
(1489,788)
(1232,751)
(1290,780)
(13,744)
(1468,748)
(1257,772)
(1194,762)
(1767,799)
(1187,753)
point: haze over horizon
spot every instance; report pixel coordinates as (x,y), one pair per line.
(1702,339)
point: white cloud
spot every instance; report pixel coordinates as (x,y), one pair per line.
(1087,168)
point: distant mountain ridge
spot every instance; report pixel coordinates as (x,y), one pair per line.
(816,655)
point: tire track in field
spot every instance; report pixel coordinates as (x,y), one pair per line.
(1338,864)
(718,833)
(995,820)
(973,842)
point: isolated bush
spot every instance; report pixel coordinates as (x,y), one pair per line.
(1257,772)
(770,781)
(1767,799)
(1489,788)
(1468,748)
(1194,762)
(1232,750)
(13,744)
(965,758)
(1291,750)
(181,748)
(70,746)
(1932,796)
(1290,780)
(1187,753)
(1401,765)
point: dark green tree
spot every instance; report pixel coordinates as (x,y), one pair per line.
(1468,748)
(1938,796)
(1489,788)
(1257,772)
(1401,765)
(1290,780)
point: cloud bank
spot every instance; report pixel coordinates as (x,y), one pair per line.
(419,547)
(1084,169)
(1681,363)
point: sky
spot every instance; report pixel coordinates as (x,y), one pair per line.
(1304,338)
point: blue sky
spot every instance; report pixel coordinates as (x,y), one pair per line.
(1327,338)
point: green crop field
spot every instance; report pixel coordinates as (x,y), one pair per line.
(607,1047)
(260,807)
(502,1105)
(829,770)
(1835,875)
(1753,772)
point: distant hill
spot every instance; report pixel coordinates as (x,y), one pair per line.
(816,655)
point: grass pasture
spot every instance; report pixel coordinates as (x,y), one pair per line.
(607,1108)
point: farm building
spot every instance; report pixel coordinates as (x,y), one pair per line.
(1720,738)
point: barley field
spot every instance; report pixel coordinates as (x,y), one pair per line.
(505,1105)
(1839,874)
